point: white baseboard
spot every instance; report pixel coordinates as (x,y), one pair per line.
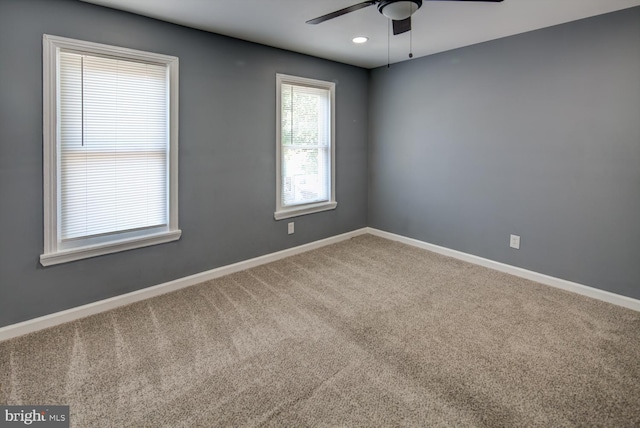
(574,287)
(76,313)
(40,323)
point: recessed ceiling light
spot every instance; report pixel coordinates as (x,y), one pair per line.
(360,39)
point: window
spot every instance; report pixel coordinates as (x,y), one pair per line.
(110,149)
(305,146)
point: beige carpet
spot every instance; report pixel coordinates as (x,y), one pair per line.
(367,332)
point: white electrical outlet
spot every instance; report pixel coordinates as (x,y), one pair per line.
(290,228)
(515,242)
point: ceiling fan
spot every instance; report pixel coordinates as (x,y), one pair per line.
(399,11)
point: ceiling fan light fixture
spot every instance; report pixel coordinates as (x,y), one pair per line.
(398,9)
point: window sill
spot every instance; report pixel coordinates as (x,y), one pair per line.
(70,255)
(304,210)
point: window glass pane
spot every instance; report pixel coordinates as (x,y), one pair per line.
(304,175)
(305,115)
(305,139)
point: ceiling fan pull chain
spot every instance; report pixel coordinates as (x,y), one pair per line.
(410,35)
(410,43)
(388,43)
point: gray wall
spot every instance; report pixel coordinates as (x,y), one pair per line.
(536,135)
(227,155)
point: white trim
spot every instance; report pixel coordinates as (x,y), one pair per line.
(174,83)
(304,209)
(49,134)
(57,42)
(282,212)
(64,256)
(54,251)
(573,287)
(76,313)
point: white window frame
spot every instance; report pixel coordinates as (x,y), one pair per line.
(55,251)
(283,212)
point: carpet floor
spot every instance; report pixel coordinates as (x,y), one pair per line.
(366,332)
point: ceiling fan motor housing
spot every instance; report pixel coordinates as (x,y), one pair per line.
(398,9)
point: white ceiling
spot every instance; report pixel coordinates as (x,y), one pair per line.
(437,26)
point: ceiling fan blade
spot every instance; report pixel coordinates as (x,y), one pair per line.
(401,26)
(341,12)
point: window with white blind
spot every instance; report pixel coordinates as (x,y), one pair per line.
(305,147)
(110,149)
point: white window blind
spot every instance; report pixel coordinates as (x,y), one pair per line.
(306,141)
(113,149)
